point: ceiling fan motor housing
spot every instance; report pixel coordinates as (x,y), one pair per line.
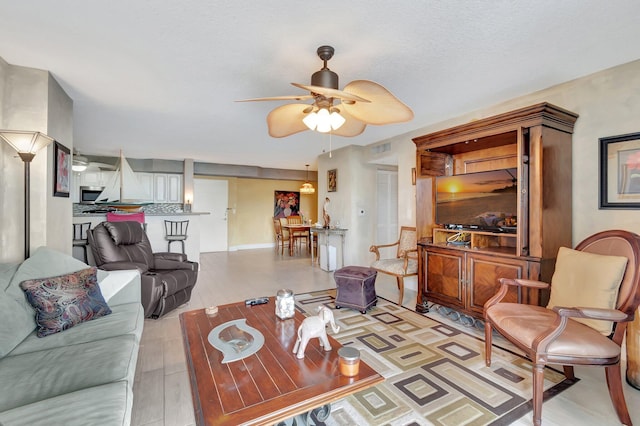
(325,77)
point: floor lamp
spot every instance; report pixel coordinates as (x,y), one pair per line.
(26,144)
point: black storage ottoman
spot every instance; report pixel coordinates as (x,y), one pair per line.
(356,287)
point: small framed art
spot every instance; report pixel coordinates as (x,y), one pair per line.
(62,169)
(332,180)
(620,172)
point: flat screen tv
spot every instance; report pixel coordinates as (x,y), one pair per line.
(483,200)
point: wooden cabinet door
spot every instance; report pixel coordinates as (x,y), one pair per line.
(444,277)
(483,273)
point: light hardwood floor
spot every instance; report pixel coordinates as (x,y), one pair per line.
(162,395)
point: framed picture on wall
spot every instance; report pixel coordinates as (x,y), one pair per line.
(61,170)
(286,203)
(620,172)
(332,180)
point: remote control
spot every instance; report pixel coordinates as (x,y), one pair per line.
(257,301)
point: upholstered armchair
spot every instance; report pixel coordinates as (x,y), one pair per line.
(594,294)
(167,278)
(405,263)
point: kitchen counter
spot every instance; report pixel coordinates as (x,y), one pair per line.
(155,215)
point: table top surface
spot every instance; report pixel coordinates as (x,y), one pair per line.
(271,385)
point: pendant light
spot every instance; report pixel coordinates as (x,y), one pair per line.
(306,187)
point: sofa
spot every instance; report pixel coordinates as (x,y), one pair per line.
(82,374)
(167,278)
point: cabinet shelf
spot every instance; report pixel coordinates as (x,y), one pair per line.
(496,242)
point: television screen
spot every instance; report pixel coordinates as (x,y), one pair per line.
(484,200)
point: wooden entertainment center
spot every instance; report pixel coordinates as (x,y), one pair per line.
(537,141)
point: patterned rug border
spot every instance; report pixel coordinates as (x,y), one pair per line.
(507,418)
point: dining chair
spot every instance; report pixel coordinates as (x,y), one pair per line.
(594,294)
(298,236)
(281,240)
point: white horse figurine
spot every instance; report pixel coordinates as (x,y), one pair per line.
(315,326)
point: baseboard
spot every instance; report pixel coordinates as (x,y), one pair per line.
(251,246)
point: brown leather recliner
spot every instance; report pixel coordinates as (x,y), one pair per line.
(167,278)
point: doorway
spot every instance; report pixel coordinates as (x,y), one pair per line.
(387,210)
(212,196)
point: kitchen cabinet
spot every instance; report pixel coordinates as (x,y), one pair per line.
(167,188)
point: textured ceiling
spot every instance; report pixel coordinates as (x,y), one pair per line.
(158,78)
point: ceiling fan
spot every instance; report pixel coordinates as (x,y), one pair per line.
(342,112)
(81,163)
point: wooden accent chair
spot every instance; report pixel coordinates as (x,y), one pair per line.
(405,263)
(594,293)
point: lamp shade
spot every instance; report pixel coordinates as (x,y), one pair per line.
(25,142)
(306,187)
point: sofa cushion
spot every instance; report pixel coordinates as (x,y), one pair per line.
(12,327)
(66,300)
(44,262)
(108,404)
(36,376)
(583,279)
(7,270)
(124,319)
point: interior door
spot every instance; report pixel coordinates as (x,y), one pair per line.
(212,196)
(387,229)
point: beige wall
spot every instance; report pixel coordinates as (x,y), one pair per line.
(608,103)
(31,99)
(251,202)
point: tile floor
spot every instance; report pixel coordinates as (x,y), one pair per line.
(162,395)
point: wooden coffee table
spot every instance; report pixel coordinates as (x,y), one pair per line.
(271,385)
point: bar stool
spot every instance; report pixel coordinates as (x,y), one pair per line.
(175,231)
(80,238)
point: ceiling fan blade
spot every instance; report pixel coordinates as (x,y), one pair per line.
(384,107)
(331,93)
(351,127)
(286,120)
(279,98)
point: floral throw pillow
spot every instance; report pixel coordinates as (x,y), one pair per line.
(66,300)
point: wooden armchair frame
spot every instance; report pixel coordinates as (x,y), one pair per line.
(551,336)
(405,263)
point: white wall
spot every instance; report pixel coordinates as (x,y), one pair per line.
(608,103)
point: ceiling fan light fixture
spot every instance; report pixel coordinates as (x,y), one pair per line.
(80,163)
(323,121)
(76,167)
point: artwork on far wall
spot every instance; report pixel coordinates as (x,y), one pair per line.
(62,169)
(620,172)
(332,180)
(286,203)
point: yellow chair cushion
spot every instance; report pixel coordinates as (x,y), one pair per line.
(583,279)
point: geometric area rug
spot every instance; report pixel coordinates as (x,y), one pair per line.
(434,374)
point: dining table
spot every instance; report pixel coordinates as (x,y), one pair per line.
(298,230)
